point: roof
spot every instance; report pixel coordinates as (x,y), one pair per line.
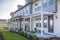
(23,7)
(3,20)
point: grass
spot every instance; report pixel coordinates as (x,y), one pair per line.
(2,27)
(12,36)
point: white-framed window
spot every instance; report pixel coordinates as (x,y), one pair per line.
(24,11)
(37,7)
(18,13)
(38,22)
(21,12)
(27,10)
(15,14)
(51,2)
(45,3)
(45,22)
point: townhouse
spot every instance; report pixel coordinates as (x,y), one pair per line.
(3,23)
(40,15)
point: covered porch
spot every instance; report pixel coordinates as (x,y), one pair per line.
(44,24)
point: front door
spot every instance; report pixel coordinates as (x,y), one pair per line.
(50,24)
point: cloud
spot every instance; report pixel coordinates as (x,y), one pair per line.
(6,6)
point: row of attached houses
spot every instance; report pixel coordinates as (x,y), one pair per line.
(3,24)
(43,15)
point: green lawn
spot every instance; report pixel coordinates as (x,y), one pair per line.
(12,36)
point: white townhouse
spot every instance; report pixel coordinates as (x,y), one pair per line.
(3,23)
(43,15)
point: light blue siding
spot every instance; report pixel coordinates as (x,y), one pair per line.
(49,6)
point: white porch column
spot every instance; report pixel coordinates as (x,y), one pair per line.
(42,19)
(31,28)
(42,25)
(18,24)
(15,25)
(24,24)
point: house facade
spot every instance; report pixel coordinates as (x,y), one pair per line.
(40,15)
(3,23)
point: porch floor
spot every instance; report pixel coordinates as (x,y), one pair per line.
(45,35)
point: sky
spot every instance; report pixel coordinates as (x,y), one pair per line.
(8,6)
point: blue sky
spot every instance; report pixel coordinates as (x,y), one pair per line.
(7,6)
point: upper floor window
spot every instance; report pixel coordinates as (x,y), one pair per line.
(45,3)
(51,2)
(27,10)
(37,7)
(21,12)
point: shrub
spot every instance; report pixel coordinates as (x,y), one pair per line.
(22,33)
(28,31)
(33,31)
(34,37)
(25,34)
(12,31)
(41,38)
(29,36)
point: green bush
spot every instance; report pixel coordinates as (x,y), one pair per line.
(21,32)
(33,31)
(25,34)
(34,37)
(41,38)
(12,31)
(28,31)
(29,35)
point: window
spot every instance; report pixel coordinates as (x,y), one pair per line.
(37,25)
(45,3)
(27,25)
(51,2)
(37,7)
(18,13)
(38,22)
(45,22)
(27,10)
(21,12)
